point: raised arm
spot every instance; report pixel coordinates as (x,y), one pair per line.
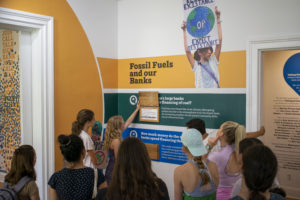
(218,47)
(188,53)
(131,117)
(256,134)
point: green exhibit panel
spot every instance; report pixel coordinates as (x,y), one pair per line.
(176,109)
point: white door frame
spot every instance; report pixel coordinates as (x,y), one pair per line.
(42,88)
(255,47)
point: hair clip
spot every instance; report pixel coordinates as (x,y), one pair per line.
(65,145)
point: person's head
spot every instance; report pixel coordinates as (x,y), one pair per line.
(23,161)
(71,147)
(248,142)
(97,128)
(192,145)
(198,124)
(113,129)
(204,53)
(133,177)
(245,144)
(232,132)
(192,140)
(259,170)
(84,117)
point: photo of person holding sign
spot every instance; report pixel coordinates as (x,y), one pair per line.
(204,63)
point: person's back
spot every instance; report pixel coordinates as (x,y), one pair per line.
(73,184)
(76,181)
(84,120)
(228,167)
(113,136)
(23,162)
(133,177)
(192,179)
(225,160)
(193,183)
(259,171)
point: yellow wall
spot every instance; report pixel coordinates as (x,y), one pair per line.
(109,72)
(76,79)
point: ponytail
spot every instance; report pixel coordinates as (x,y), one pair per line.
(240,134)
(75,128)
(83,116)
(256,195)
(203,173)
(234,133)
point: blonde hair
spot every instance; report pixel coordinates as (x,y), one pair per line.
(113,130)
(234,133)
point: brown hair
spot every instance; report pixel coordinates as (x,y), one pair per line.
(202,50)
(22,164)
(83,116)
(234,133)
(259,170)
(112,130)
(133,177)
(198,124)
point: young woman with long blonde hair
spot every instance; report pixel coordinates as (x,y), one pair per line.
(113,134)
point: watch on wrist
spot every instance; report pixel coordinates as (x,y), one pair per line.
(208,147)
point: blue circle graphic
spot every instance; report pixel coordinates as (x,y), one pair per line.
(291,72)
(200,21)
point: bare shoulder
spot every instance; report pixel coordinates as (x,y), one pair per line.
(184,169)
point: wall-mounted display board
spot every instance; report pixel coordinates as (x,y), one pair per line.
(149,114)
(149,110)
(162,145)
(153,150)
(282,115)
(148,98)
(175,109)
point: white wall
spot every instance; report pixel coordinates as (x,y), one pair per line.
(149,28)
(152,28)
(99,20)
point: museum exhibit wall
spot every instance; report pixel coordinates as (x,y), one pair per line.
(99,43)
(77,83)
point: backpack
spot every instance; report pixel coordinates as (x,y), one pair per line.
(10,193)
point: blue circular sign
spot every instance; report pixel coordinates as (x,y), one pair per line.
(291,72)
(200,21)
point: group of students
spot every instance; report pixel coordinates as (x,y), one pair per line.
(232,164)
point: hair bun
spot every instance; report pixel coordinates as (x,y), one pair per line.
(64,140)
